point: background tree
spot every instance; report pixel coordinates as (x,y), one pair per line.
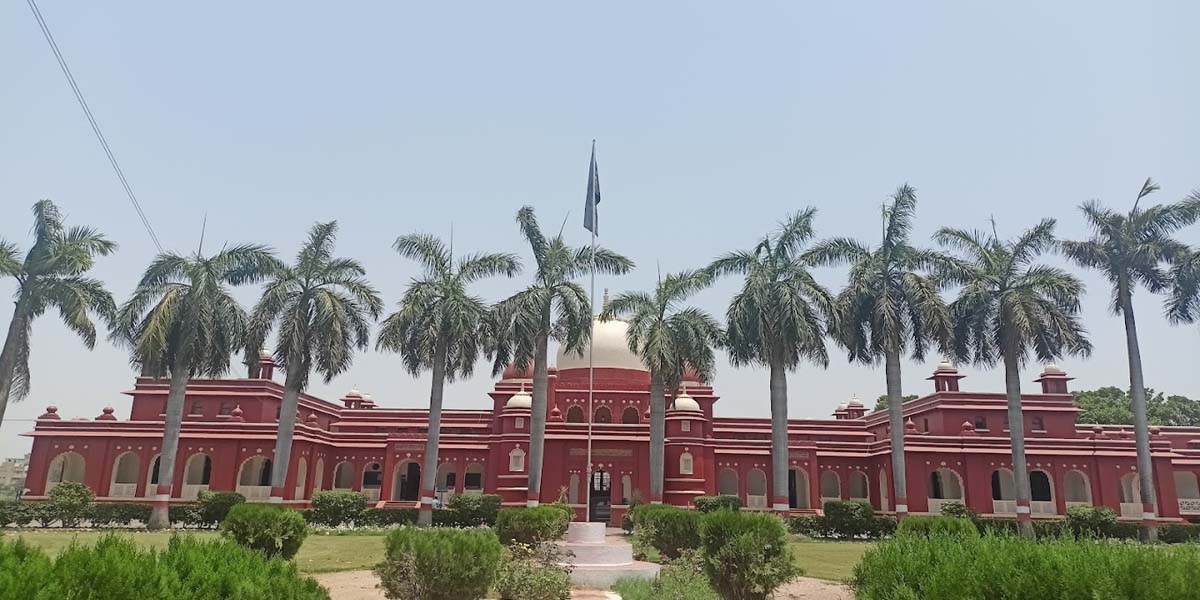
(323,306)
(553,306)
(669,339)
(889,309)
(777,320)
(881,403)
(438,327)
(52,275)
(1008,308)
(1113,406)
(1130,250)
(183,321)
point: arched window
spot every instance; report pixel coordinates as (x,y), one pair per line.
(126,468)
(797,488)
(756,489)
(447,478)
(1077,488)
(573,489)
(372,477)
(301,477)
(516,460)
(66,467)
(686,465)
(473,480)
(198,470)
(1131,489)
(319,475)
(860,488)
(727,482)
(343,476)
(831,486)
(630,416)
(1040,489)
(256,471)
(1186,487)
(1003,485)
(885,491)
(603,415)
(575,414)
(944,484)
(152,477)
(626,488)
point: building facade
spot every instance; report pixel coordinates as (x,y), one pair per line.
(956,444)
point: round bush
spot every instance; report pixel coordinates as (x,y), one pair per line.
(746,556)
(15,513)
(334,508)
(532,525)
(473,510)
(707,504)
(273,530)
(439,563)
(213,507)
(1091,521)
(69,502)
(669,529)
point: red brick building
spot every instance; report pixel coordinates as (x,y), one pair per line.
(956,442)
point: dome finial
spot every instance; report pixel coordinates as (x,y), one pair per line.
(605,302)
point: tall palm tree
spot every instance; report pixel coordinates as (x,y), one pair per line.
(888,309)
(52,274)
(1007,308)
(323,306)
(438,327)
(1130,249)
(553,306)
(778,319)
(183,321)
(1183,305)
(669,339)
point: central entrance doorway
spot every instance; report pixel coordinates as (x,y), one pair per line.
(600,497)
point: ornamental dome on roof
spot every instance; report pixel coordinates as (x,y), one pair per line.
(610,350)
(517,372)
(1052,369)
(685,402)
(521,399)
(854,402)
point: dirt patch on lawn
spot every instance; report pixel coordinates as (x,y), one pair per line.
(360,585)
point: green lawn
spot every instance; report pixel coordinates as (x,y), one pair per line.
(320,553)
(832,561)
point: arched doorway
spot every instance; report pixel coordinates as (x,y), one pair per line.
(1187,489)
(631,416)
(66,467)
(196,476)
(152,477)
(885,491)
(603,415)
(831,487)
(1041,493)
(945,486)
(575,414)
(727,483)
(319,475)
(372,481)
(301,478)
(600,497)
(473,479)
(406,481)
(756,490)
(798,490)
(1077,488)
(254,478)
(125,476)
(343,476)
(446,482)
(860,487)
(1004,492)
(1131,495)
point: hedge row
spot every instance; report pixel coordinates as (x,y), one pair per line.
(344,508)
(844,520)
(207,512)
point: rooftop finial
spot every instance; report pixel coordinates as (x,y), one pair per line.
(604,303)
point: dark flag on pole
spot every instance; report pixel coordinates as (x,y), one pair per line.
(591,218)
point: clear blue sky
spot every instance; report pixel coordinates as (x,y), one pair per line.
(713,120)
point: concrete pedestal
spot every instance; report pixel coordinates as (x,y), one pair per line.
(598,561)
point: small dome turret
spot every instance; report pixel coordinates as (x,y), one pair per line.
(685,402)
(521,399)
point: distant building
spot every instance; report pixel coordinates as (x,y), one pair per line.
(956,447)
(12,476)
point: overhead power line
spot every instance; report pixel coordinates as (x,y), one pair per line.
(62,62)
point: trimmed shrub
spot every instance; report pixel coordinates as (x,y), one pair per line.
(996,526)
(849,519)
(213,507)
(15,513)
(335,508)
(1178,533)
(115,567)
(881,527)
(183,515)
(707,504)
(105,514)
(1125,530)
(533,573)
(387,517)
(272,530)
(958,510)
(745,555)
(668,529)
(44,513)
(1091,521)
(808,525)
(919,525)
(475,509)
(681,579)
(532,525)
(439,564)
(987,567)
(69,501)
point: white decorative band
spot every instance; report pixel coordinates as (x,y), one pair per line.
(531,503)
(1022,510)
(274,500)
(781,507)
(656,502)
(901,508)
(426,499)
(1148,516)
(162,498)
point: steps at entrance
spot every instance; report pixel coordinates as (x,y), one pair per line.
(598,561)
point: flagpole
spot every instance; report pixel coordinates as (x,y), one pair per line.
(587,511)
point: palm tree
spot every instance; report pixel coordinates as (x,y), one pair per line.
(1007,308)
(1183,305)
(182,320)
(322,305)
(52,274)
(778,319)
(888,309)
(553,306)
(438,327)
(669,339)
(1130,250)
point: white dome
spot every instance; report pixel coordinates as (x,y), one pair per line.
(1052,369)
(521,399)
(854,402)
(609,347)
(842,406)
(945,365)
(686,402)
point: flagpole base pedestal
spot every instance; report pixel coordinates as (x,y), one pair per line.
(598,560)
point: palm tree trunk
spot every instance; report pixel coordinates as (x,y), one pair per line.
(1137,390)
(159,518)
(537,421)
(657,437)
(433,437)
(1016,428)
(287,427)
(891,368)
(8,356)
(779,435)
